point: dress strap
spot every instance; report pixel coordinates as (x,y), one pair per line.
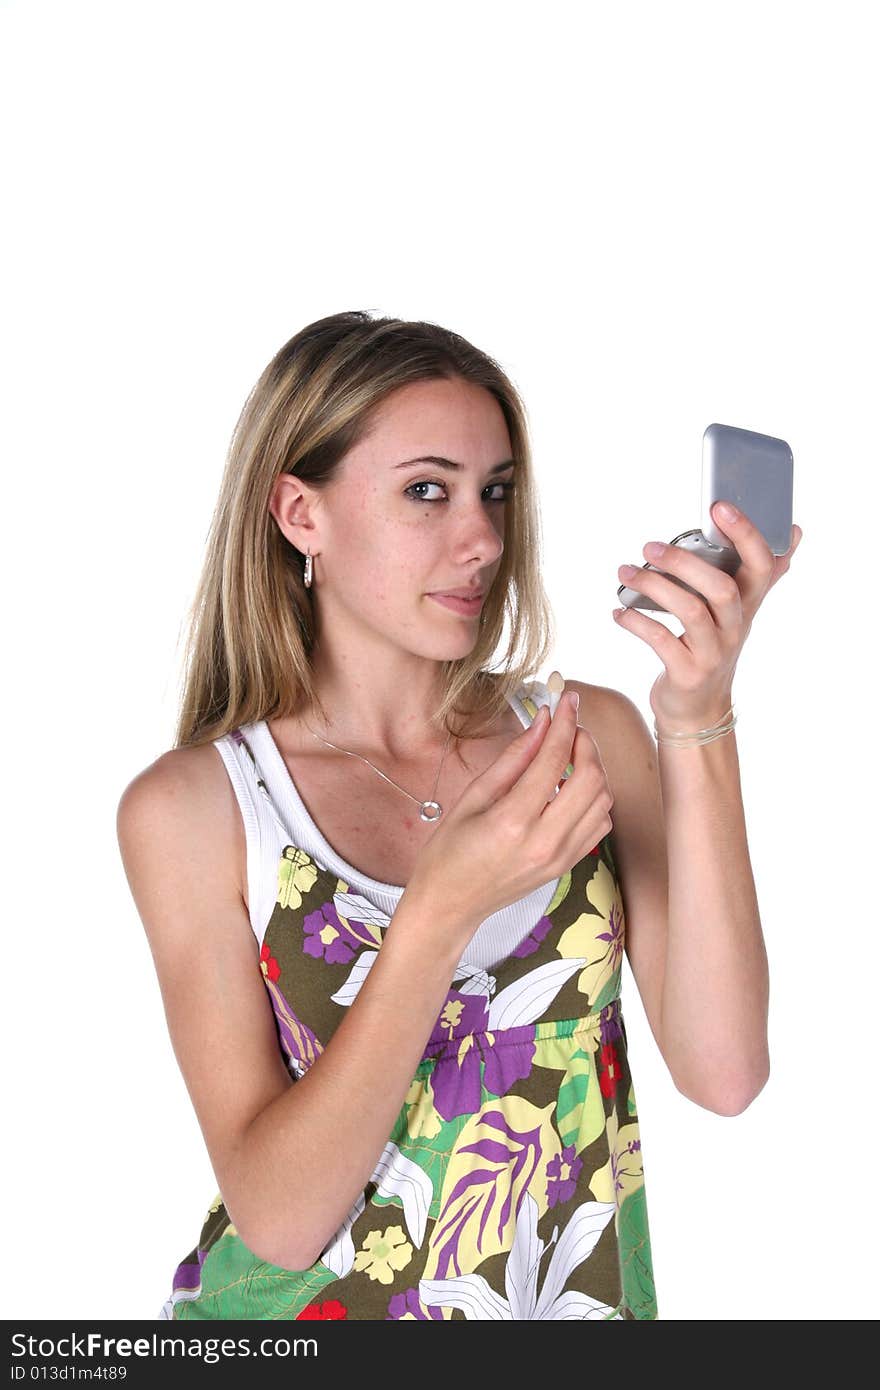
(528,699)
(238,738)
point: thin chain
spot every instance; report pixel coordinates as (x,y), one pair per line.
(430,810)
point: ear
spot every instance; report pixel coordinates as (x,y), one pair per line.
(290,503)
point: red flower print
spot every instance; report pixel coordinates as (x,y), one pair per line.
(268,964)
(331,1310)
(610,1073)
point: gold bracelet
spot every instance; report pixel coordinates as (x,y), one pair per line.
(702,736)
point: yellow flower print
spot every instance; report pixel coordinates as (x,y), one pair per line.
(451,1015)
(589,1034)
(490,1168)
(623,1173)
(228,1229)
(382,1254)
(599,939)
(296,875)
(422,1120)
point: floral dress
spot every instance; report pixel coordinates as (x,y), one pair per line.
(512,1183)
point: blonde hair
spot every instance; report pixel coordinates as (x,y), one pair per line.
(250,628)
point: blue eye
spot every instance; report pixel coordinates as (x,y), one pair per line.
(506,488)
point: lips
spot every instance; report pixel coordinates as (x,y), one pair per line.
(459,593)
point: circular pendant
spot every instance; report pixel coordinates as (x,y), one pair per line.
(430,810)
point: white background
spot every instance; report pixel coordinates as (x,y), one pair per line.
(655,216)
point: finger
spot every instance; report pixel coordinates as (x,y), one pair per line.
(507,769)
(579,791)
(589,831)
(701,631)
(758,561)
(671,649)
(782,562)
(537,784)
(716,593)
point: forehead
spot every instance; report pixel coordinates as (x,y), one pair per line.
(452,418)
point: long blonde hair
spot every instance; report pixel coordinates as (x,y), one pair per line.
(250,629)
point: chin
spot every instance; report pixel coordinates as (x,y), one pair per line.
(446,646)
(446,651)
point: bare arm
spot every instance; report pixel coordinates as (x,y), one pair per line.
(333,1124)
(290,1157)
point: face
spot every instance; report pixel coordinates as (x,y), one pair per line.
(390,533)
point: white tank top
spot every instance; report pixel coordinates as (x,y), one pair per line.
(275,817)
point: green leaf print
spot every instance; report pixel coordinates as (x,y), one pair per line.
(580,1115)
(637,1273)
(431,1153)
(235,1284)
(562,888)
(608,994)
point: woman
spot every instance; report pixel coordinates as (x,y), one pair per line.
(445,1127)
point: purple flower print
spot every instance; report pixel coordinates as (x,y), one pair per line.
(297,1039)
(407,1304)
(328,937)
(614,936)
(460,1042)
(609,1023)
(562,1171)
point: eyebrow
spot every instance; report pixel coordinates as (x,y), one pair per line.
(451,465)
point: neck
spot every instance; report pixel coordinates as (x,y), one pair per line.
(386,714)
(423,755)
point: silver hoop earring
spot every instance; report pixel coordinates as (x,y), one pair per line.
(307,572)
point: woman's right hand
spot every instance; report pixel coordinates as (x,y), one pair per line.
(510,831)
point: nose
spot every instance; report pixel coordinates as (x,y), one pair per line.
(479,537)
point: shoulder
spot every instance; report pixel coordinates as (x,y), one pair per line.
(182,804)
(614,720)
(181,775)
(629,754)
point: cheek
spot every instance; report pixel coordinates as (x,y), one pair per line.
(391,558)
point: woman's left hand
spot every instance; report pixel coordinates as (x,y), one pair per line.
(694,690)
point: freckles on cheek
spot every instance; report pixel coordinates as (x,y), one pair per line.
(388,549)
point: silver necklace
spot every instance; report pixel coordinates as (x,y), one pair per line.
(430,810)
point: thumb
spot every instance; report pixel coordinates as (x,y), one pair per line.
(506,770)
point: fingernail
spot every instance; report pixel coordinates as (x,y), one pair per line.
(727,512)
(574,699)
(555,687)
